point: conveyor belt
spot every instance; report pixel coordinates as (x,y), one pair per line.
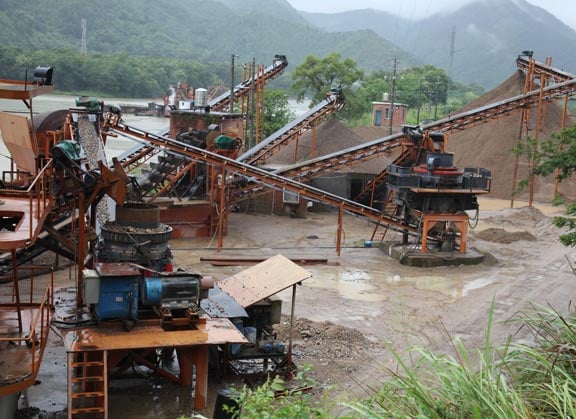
(558,76)
(285,135)
(241,89)
(255,174)
(381,146)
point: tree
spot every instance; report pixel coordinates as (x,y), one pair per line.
(556,155)
(277,112)
(315,77)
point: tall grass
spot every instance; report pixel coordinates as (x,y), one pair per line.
(511,381)
(536,380)
(545,372)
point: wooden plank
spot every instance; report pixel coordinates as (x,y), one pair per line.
(263,280)
(230,260)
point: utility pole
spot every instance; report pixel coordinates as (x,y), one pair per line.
(251,140)
(436,99)
(83,48)
(232,84)
(419,103)
(452,51)
(392,96)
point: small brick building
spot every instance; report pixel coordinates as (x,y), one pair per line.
(382,114)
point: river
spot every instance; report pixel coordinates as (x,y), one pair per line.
(114,146)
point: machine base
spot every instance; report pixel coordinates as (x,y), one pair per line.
(411,255)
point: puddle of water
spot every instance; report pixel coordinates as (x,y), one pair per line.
(354,285)
(366,286)
(452,286)
(476,284)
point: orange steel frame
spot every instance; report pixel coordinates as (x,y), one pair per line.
(32,206)
(459,220)
(243,89)
(191,345)
(546,75)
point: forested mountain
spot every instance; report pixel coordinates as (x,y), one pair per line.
(204,30)
(476,43)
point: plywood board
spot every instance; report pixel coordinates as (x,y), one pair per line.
(263,280)
(16,135)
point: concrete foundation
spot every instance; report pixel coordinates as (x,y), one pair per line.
(411,255)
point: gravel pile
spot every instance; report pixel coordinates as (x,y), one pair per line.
(323,341)
(90,141)
(490,144)
(499,235)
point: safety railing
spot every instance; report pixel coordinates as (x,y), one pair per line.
(33,334)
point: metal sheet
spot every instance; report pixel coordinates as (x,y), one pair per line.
(210,332)
(16,89)
(263,280)
(16,135)
(117,269)
(220,304)
(31,219)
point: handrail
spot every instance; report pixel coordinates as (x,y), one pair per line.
(33,340)
(38,197)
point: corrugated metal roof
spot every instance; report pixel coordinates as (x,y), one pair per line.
(263,280)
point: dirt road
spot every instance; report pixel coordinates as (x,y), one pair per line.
(362,301)
(401,305)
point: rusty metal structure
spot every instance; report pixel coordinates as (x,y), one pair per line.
(25,316)
(241,90)
(543,75)
(52,199)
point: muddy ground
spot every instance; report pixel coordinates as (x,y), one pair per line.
(361,303)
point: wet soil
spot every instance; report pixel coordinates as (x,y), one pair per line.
(359,306)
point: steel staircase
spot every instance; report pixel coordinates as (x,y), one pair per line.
(87,384)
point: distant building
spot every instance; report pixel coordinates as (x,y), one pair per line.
(382,114)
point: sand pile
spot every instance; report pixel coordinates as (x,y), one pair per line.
(490,144)
(331,136)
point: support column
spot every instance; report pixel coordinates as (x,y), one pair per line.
(188,358)
(430,220)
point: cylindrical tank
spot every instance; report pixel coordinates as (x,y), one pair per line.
(201,97)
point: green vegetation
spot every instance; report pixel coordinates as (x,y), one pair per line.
(274,399)
(119,75)
(277,112)
(427,90)
(205,31)
(557,156)
(535,380)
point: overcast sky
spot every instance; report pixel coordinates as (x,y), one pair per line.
(565,10)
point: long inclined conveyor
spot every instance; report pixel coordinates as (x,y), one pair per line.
(257,175)
(241,89)
(523,63)
(290,132)
(376,148)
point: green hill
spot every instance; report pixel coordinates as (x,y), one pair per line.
(203,30)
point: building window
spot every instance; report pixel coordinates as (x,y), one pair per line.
(387,113)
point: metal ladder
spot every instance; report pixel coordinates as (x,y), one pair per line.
(87,384)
